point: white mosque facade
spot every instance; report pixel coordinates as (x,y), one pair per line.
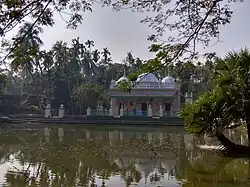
(149,96)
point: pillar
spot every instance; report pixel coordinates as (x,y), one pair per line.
(110,111)
(88,111)
(113,107)
(161,111)
(121,136)
(48,111)
(99,109)
(61,111)
(106,112)
(110,138)
(150,137)
(60,134)
(171,112)
(87,135)
(186,98)
(161,138)
(149,111)
(121,111)
(46,134)
(191,97)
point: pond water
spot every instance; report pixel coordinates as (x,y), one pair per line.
(114,157)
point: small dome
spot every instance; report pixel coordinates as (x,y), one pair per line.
(123,78)
(168,79)
(147,77)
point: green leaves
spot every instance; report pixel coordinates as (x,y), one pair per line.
(124,86)
(227,102)
(87,95)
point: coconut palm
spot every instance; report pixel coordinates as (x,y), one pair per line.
(89,66)
(89,44)
(32,38)
(106,54)
(60,52)
(96,55)
(25,54)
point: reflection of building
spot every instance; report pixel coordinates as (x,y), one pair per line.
(119,136)
(188,140)
(146,165)
(148,94)
(60,134)
(46,134)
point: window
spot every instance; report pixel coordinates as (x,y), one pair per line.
(167,106)
(144,106)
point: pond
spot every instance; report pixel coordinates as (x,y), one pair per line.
(114,157)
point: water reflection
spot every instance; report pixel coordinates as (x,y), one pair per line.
(120,157)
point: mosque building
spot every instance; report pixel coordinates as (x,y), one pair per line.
(149,96)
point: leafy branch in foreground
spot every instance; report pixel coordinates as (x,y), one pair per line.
(167,54)
(228,102)
(14,12)
(201,18)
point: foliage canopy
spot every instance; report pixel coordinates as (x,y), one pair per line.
(190,21)
(229,100)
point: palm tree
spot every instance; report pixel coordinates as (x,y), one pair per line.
(106,54)
(32,39)
(96,55)
(89,44)
(26,53)
(88,63)
(60,52)
(77,51)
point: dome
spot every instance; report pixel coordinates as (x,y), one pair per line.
(123,78)
(147,77)
(168,79)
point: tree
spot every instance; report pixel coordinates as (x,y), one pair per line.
(89,44)
(3,82)
(106,53)
(59,71)
(227,105)
(88,95)
(24,55)
(96,55)
(195,21)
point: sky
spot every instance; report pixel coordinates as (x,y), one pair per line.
(122,32)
